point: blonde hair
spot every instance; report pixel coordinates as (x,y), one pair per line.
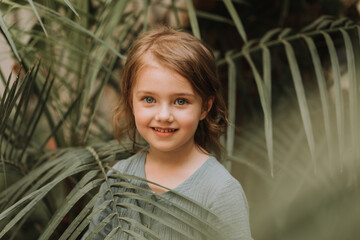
(192,59)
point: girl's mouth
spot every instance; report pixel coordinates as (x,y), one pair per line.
(164,130)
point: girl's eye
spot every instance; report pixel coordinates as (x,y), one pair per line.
(180,101)
(149,99)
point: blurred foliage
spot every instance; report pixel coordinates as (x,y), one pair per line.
(290,78)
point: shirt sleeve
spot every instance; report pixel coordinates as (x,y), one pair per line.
(231,211)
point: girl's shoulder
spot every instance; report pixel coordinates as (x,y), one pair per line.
(219,176)
(212,181)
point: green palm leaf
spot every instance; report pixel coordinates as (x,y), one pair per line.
(86,45)
(193,19)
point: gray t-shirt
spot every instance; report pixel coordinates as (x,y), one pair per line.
(215,199)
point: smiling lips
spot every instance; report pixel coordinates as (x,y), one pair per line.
(164,132)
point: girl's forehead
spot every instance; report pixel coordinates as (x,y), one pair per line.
(155,76)
(149,61)
(157,79)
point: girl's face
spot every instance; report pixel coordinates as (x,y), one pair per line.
(166,108)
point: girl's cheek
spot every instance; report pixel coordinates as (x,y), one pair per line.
(143,112)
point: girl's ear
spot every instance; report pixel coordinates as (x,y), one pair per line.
(207,108)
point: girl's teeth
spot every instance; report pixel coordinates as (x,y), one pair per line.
(164,130)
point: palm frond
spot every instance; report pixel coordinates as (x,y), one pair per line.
(229,5)
(231,108)
(71,7)
(292,41)
(307,93)
(193,19)
(71,162)
(14,104)
(8,37)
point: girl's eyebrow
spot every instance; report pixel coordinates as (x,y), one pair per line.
(140,92)
(143,92)
(185,94)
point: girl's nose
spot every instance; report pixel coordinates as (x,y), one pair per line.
(164,114)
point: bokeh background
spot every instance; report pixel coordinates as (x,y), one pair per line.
(290,73)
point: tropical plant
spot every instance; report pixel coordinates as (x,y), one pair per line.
(293,98)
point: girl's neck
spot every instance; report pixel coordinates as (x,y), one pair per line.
(170,169)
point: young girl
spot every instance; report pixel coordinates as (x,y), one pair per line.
(170,95)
